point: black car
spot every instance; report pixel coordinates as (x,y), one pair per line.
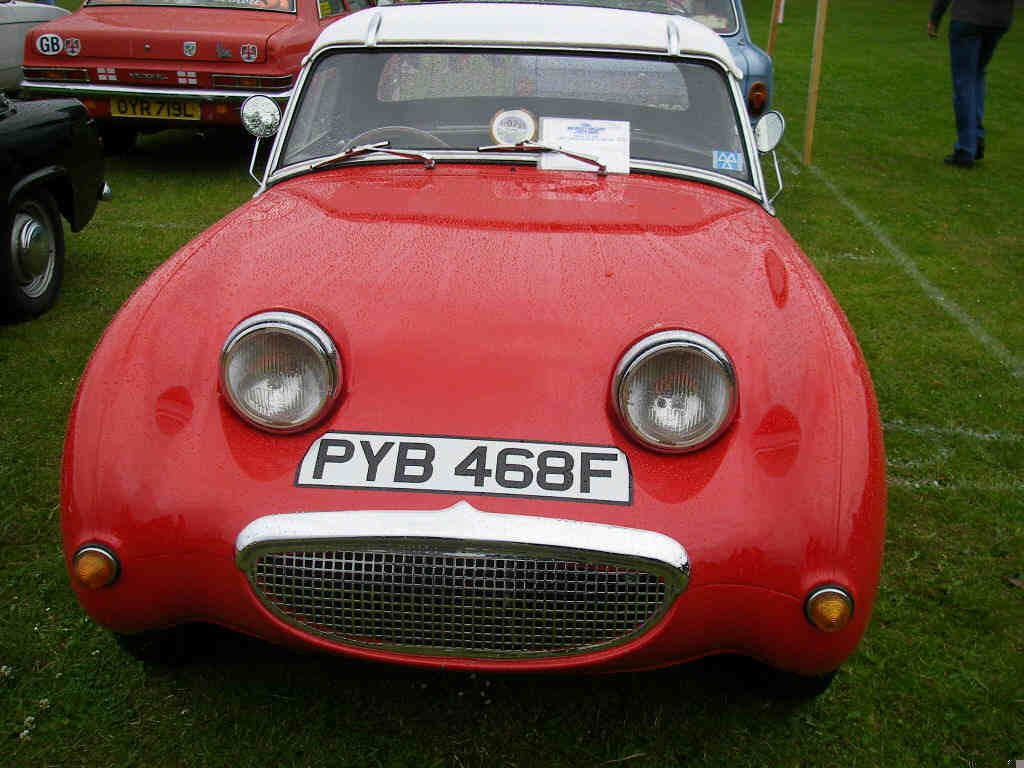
(51,165)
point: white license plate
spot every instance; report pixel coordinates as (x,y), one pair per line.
(466,465)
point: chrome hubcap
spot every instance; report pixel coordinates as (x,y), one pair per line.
(33,252)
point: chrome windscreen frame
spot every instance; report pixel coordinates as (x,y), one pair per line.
(462,530)
(530,158)
(274,173)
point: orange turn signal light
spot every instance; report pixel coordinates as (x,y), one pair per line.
(829,608)
(94,567)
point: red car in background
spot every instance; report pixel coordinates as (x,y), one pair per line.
(144,65)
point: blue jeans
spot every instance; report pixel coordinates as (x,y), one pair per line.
(970,50)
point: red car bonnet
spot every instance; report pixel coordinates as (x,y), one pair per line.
(490,301)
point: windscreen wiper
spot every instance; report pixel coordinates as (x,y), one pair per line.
(379,146)
(530,146)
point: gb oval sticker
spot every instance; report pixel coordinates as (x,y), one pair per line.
(49,44)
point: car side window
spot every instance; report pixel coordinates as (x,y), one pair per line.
(330,8)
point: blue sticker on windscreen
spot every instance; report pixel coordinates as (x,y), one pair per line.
(727,161)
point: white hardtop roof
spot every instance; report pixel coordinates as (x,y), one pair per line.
(567,27)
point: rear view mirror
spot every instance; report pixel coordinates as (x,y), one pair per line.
(768,131)
(261,116)
(767,135)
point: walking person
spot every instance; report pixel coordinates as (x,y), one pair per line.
(975,28)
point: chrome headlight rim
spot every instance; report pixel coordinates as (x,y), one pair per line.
(306,331)
(657,343)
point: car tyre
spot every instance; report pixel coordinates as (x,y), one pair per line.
(118,139)
(163,647)
(32,257)
(789,685)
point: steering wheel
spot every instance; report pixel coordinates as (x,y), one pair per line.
(387,131)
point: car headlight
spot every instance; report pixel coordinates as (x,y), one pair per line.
(675,391)
(280,371)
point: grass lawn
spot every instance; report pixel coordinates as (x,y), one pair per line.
(928,263)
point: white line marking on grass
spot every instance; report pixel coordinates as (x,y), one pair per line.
(853,257)
(898,425)
(1010,360)
(935,485)
(913,473)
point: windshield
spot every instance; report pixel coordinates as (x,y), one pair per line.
(244,5)
(664,111)
(719,15)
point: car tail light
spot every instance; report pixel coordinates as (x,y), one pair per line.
(280,371)
(675,391)
(97,107)
(757,98)
(57,74)
(829,608)
(276,83)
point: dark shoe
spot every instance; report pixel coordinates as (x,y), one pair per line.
(979,151)
(959,159)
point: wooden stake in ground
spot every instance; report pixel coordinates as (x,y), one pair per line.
(777,6)
(812,91)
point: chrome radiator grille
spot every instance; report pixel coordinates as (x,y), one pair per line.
(496,604)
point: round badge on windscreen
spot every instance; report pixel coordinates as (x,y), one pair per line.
(512,126)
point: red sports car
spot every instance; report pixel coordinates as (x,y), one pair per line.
(151,64)
(507,366)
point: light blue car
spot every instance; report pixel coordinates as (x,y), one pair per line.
(726,17)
